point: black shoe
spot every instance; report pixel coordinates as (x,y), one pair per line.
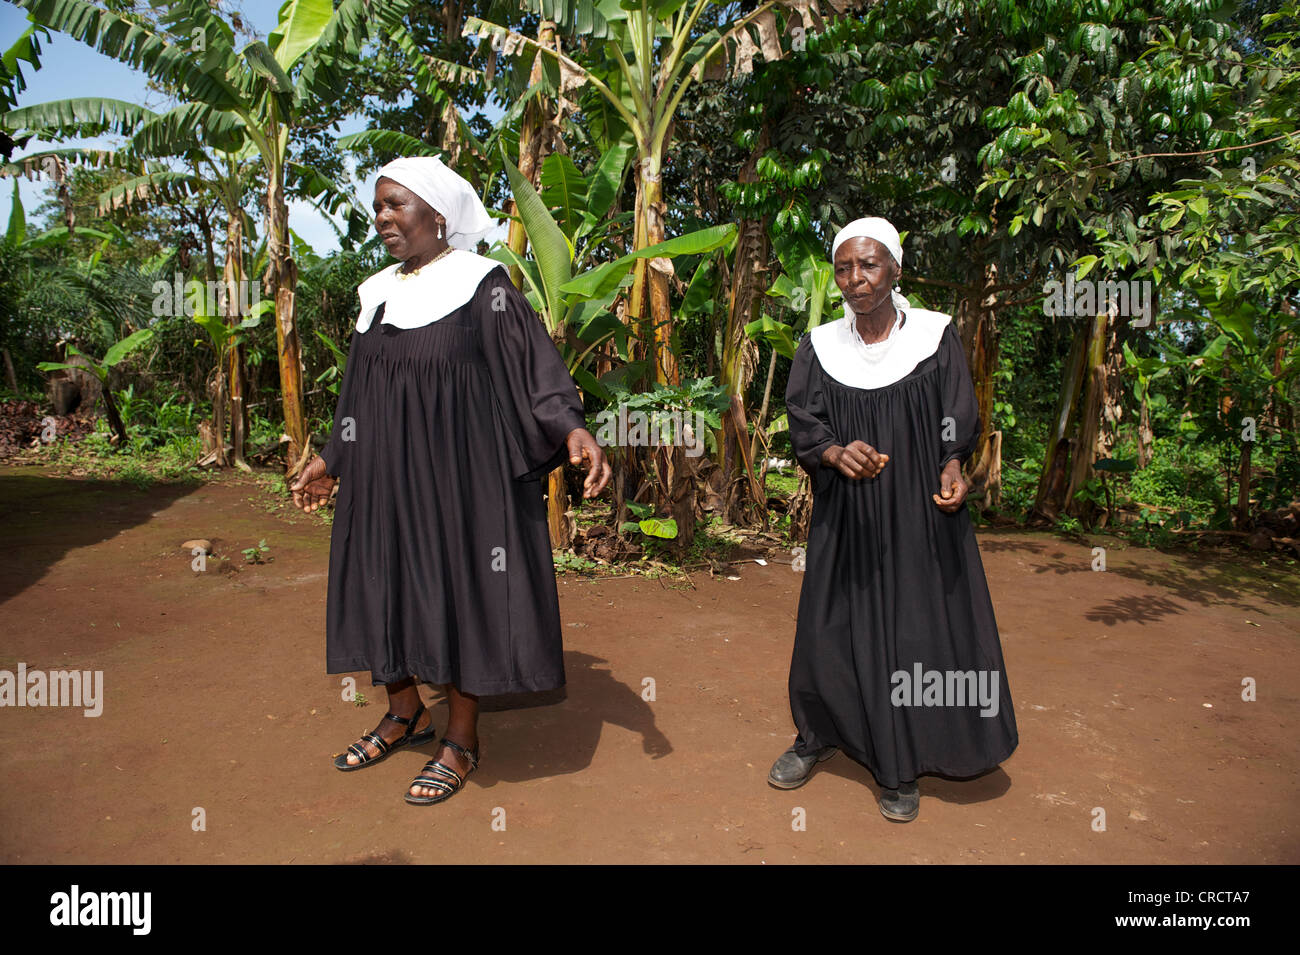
(901,804)
(790,771)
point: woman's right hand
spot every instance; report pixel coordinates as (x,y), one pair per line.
(313,486)
(858,460)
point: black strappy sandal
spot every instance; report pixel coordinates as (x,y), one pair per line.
(446,781)
(408,738)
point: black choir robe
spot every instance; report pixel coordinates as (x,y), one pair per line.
(440,560)
(892,584)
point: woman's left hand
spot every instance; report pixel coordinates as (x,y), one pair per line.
(952,488)
(583,448)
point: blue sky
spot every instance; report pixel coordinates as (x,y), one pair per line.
(70,69)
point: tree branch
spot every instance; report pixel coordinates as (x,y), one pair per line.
(1202,152)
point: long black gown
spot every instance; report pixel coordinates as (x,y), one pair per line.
(440,559)
(891,581)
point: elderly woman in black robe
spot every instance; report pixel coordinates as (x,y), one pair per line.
(454,404)
(896,660)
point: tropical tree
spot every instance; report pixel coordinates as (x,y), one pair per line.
(1108,115)
(652,53)
(1229,237)
(261,90)
(220,162)
(100,370)
(576,309)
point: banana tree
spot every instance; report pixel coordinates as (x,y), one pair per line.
(266,87)
(100,370)
(26,49)
(225,338)
(807,286)
(576,308)
(220,160)
(654,50)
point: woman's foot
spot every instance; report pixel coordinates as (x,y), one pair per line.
(454,760)
(390,731)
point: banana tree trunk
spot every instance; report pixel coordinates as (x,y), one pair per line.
(114,416)
(760,444)
(649,301)
(739,353)
(557,510)
(534,145)
(1085,447)
(1243,486)
(677,477)
(1145,436)
(977,322)
(801,503)
(281,281)
(235,375)
(657,273)
(1056,454)
(218,391)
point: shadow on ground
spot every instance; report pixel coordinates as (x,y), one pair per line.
(526,736)
(44,516)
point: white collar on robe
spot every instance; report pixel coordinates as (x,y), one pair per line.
(846,358)
(438,290)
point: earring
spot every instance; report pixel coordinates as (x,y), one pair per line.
(440,231)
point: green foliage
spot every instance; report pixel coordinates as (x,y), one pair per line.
(1037,138)
(258,554)
(115,354)
(580,303)
(565,561)
(667,406)
(1181,478)
(141,463)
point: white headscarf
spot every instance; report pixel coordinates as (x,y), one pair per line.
(430,179)
(840,350)
(883,231)
(441,287)
(871,227)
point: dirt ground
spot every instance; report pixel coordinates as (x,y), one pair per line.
(216,699)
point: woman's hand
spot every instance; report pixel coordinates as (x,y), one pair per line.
(858,460)
(952,488)
(313,486)
(583,447)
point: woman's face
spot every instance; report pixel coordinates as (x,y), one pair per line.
(865,273)
(406,223)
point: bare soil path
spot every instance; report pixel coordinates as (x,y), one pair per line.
(216,699)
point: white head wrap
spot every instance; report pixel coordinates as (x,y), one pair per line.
(871,227)
(883,231)
(430,179)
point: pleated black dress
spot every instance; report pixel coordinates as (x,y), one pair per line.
(440,560)
(891,581)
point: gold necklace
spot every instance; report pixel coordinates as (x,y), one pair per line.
(411,275)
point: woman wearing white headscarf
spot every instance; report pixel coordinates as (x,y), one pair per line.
(896,657)
(454,404)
